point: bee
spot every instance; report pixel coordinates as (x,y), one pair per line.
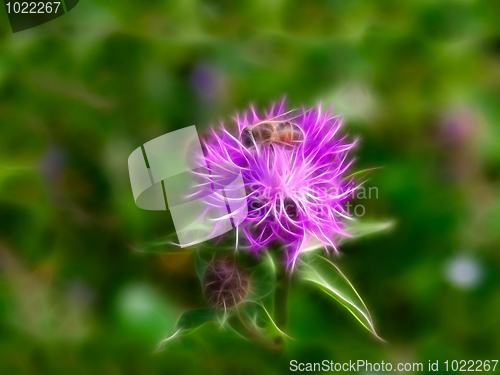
(272,132)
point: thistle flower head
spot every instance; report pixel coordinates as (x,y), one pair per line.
(293,166)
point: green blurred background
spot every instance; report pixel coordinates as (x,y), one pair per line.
(417,81)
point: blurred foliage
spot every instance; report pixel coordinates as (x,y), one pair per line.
(417,81)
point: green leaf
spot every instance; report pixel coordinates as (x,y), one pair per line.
(332,281)
(194,318)
(166,245)
(188,322)
(361,172)
(261,319)
(361,228)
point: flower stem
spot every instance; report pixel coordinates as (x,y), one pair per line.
(281,298)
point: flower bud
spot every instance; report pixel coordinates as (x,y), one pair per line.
(224,283)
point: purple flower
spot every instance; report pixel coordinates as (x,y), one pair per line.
(293,166)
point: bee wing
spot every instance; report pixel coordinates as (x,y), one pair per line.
(287,116)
